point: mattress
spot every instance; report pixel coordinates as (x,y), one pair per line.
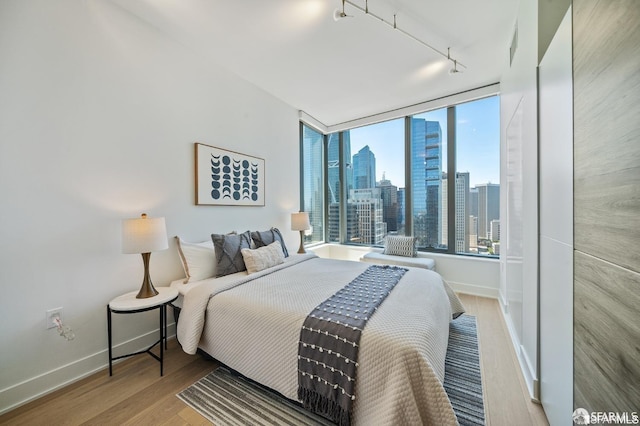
(252,324)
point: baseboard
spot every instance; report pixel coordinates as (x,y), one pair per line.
(526,367)
(473,289)
(528,371)
(36,387)
(502,297)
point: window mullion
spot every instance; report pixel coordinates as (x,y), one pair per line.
(408,187)
(302,170)
(325,184)
(451,179)
(342,172)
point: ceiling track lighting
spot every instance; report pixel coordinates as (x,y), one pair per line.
(455,69)
(338,14)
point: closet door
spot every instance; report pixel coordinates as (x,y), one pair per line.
(556,226)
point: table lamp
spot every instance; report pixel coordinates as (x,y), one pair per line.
(143,236)
(300,222)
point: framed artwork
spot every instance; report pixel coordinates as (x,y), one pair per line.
(227,178)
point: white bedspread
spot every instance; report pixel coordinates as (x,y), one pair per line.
(253,326)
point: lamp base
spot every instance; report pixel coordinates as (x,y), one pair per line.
(147,289)
(301,250)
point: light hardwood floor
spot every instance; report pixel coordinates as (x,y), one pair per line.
(137,395)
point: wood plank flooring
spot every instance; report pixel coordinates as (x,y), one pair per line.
(137,395)
(506,400)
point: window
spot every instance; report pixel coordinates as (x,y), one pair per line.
(312,188)
(451,201)
(374,206)
(335,177)
(478,177)
(428,164)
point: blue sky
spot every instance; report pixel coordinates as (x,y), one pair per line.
(478,142)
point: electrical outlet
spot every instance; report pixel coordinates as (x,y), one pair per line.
(51,316)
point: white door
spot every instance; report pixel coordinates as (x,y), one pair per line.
(555,91)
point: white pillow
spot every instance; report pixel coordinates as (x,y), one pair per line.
(262,258)
(397,245)
(198,260)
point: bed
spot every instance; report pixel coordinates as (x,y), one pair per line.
(252,322)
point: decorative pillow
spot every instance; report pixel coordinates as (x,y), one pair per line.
(400,246)
(228,252)
(198,260)
(264,238)
(263,257)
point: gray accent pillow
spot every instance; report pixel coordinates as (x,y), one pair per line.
(400,246)
(228,248)
(264,238)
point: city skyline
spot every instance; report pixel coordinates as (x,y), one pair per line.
(477,150)
(374,207)
(374,181)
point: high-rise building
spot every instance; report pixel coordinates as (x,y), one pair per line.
(333,227)
(426,174)
(473,202)
(488,208)
(473,233)
(370,229)
(389,195)
(495,230)
(401,210)
(364,169)
(461,214)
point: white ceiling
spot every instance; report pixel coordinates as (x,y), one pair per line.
(349,69)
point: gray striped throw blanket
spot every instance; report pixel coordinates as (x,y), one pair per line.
(329,342)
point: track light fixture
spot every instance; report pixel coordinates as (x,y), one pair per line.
(338,14)
(454,70)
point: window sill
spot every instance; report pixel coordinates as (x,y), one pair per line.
(354,252)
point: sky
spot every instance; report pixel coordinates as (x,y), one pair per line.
(478,142)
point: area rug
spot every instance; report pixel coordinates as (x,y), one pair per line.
(462,378)
(225,398)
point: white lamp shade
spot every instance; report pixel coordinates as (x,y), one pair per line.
(144,235)
(300,221)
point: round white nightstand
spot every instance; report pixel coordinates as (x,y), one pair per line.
(128,304)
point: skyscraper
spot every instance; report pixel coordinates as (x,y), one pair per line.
(488,208)
(473,202)
(364,169)
(473,234)
(401,210)
(370,228)
(495,230)
(461,214)
(389,195)
(473,218)
(426,174)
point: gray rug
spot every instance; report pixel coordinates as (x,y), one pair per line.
(462,378)
(225,398)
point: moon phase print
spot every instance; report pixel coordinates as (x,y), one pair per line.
(228,178)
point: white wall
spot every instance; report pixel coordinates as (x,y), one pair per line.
(98,116)
(519,256)
(466,274)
